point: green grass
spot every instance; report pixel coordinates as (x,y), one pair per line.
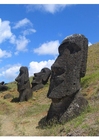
(5,107)
(72,125)
(36,109)
(90,79)
(39,105)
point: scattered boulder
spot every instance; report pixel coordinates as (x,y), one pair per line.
(23,85)
(40,79)
(7,96)
(67,70)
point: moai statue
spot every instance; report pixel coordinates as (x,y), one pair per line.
(23,85)
(40,79)
(67,70)
(3,87)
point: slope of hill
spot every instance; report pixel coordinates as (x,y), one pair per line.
(21,119)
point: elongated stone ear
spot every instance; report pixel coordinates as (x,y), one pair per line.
(84,59)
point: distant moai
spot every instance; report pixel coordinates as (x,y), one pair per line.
(3,87)
(40,79)
(67,71)
(23,84)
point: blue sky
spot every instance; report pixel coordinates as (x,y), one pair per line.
(30,34)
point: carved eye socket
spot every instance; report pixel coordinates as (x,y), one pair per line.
(43,71)
(71,46)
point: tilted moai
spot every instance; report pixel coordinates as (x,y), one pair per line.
(3,87)
(23,85)
(40,79)
(67,70)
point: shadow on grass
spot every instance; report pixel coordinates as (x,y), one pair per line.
(44,124)
(15,100)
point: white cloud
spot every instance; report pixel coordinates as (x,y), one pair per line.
(10,72)
(13,39)
(5,54)
(22,23)
(28,31)
(5,30)
(37,66)
(16,53)
(50,48)
(21,43)
(51,8)
(89,43)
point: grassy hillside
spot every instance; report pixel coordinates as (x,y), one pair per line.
(90,82)
(21,119)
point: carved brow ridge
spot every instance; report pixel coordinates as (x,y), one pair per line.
(71,46)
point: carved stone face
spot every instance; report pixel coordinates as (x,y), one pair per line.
(40,78)
(23,79)
(67,69)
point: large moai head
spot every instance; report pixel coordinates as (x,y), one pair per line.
(69,67)
(67,71)
(40,78)
(23,84)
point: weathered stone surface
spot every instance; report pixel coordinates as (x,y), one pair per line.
(40,79)
(23,85)
(7,96)
(3,87)
(67,71)
(75,108)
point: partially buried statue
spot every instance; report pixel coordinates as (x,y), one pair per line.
(40,78)
(23,85)
(67,70)
(3,87)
